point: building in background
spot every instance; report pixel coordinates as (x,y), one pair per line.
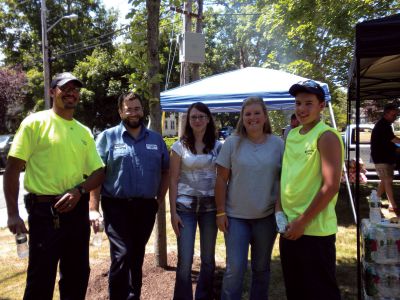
(170,124)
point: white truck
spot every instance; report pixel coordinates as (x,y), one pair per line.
(349,139)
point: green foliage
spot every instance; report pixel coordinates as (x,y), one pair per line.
(339,106)
(35,90)
(69,41)
(314,38)
(226,119)
(12,95)
(169,141)
(310,38)
(278,121)
(105,77)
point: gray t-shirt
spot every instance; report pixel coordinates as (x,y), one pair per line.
(253,186)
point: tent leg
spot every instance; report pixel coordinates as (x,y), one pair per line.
(332,115)
(344,167)
(350,194)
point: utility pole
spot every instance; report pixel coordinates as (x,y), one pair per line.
(45,52)
(187,27)
(185,75)
(199,29)
(185,65)
(45,49)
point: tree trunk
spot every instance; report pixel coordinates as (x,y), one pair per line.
(153,9)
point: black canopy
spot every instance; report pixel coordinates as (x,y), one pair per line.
(374,75)
(377,51)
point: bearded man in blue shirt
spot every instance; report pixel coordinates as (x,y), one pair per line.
(137,164)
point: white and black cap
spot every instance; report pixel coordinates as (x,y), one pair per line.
(63,78)
(308,86)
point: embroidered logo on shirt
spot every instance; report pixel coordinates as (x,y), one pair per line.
(119,146)
(151,147)
(309,152)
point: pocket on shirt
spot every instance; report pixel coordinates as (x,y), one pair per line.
(153,160)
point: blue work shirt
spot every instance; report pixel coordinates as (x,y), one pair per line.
(133,166)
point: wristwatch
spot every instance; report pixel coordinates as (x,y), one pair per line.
(81,189)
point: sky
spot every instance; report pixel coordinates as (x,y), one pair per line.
(120,5)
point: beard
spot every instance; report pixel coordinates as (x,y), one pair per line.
(69,105)
(133,123)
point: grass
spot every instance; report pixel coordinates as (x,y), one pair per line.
(13,269)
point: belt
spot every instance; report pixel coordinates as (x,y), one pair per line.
(45,198)
(129,199)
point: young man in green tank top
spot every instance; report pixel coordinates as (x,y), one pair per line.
(310,179)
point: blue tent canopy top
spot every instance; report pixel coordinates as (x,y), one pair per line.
(225,92)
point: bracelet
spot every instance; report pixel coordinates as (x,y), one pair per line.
(220,214)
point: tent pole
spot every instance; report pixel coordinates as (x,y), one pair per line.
(344,167)
(357,190)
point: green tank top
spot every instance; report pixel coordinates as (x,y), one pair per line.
(302,178)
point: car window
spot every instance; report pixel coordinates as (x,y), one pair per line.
(365,136)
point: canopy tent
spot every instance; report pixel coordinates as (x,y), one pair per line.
(377,60)
(374,75)
(225,92)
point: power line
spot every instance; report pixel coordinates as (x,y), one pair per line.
(82,49)
(98,44)
(98,37)
(125,27)
(236,14)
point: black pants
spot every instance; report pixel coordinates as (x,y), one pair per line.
(48,246)
(309,267)
(128,225)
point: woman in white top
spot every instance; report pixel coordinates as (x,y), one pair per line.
(191,196)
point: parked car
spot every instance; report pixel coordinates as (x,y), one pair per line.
(365,146)
(224,132)
(5,144)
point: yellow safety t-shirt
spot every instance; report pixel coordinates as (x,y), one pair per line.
(58,152)
(302,179)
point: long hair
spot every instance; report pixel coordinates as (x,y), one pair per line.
(240,129)
(210,135)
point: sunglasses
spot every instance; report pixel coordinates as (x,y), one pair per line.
(73,89)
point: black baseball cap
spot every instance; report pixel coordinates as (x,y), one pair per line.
(308,86)
(62,78)
(391,106)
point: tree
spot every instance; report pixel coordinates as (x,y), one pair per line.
(106,76)
(314,38)
(12,96)
(70,41)
(20,31)
(153,10)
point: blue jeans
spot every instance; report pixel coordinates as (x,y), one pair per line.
(208,235)
(260,234)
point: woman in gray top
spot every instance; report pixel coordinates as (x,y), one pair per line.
(247,187)
(191,196)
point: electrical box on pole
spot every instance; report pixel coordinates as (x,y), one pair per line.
(192,47)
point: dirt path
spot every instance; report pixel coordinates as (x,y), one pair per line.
(158,283)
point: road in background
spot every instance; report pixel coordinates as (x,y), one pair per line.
(21,206)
